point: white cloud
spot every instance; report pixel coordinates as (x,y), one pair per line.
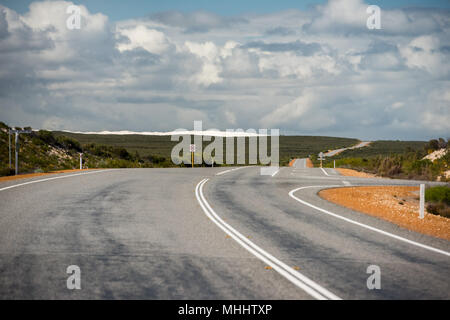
(288,64)
(423,52)
(318,71)
(436,115)
(209,54)
(337,14)
(142,37)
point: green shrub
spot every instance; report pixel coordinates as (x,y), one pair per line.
(438,194)
(46,136)
(69,143)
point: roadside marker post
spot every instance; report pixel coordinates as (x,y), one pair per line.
(422,202)
(334,164)
(81,161)
(17,133)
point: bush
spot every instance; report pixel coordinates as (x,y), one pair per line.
(438,194)
(47,137)
(439,208)
(7,172)
(69,143)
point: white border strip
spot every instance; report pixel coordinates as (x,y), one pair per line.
(301,281)
(53,178)
(291,194)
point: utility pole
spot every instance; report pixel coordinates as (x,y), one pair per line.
(17,133)
(17,152)
(9,145)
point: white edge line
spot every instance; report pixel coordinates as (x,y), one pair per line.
(53,178)
(291,194)
(293,276)
(226,171)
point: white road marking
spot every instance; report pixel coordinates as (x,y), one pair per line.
(324,171)
(301,281)
(276,172)
(226,171)
(291,194)
(54,178)
(346,183)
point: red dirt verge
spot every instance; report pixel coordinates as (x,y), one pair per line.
(396,204)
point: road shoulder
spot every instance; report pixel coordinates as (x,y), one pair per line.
(396,204)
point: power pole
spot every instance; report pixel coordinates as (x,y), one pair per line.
(9,146)
(17,153)
(17,133)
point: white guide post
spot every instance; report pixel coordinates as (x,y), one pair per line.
(422,202)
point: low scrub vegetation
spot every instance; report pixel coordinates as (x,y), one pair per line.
(438,200)
(161,146)
(405,163)
(42,151)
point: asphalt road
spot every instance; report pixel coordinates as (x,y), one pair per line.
(145,234)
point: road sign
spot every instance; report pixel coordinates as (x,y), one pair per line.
(321,158)
(192,150)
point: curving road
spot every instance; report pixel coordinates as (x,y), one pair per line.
(197,234)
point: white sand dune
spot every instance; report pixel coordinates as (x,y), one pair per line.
(213,133)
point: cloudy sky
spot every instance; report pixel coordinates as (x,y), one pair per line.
(305,67)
